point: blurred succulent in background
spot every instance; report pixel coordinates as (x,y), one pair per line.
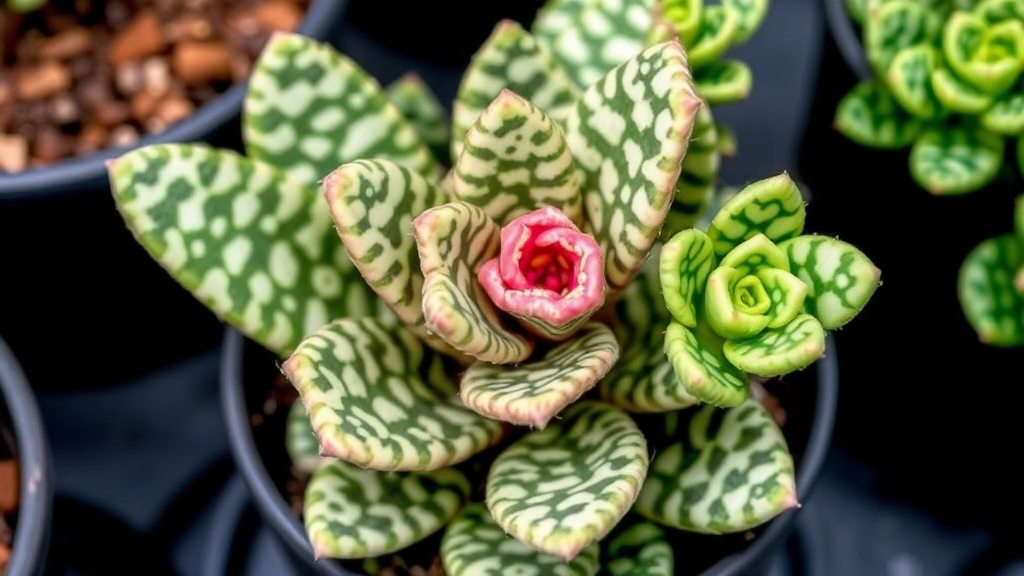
(948,83)
(23,6)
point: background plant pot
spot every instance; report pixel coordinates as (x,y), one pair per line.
(927,403)
(73,268)
(20,414)
(247,373)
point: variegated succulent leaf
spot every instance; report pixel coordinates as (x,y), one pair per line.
(698,175)
(772,206)
(777,351)
(1006,115)
(629,133)
(686,261)
(300,441)
(729,471)
(700,365)
(454,241)
(309,109)
(555,16)
(751,14)
(994,11)
(723,81)
(421,108)
(991,301)
(839,276)
(379,399)
(989,56)
(870,116)
(891,27)
(533,393)
(561,489)
(373,204)
(684,16)
(643,379)
(908,78)
(602,35)
(719,31)
(511,58)
(475,545)
(637,547)
(726,137)
(956,95)
(352,512)
(515,160)
(956,160)
(252,244)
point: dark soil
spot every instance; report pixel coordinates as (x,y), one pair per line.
(78,76)
(9,492)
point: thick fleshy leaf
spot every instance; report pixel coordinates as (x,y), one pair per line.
(373,204)
(454,240)
(728,319)
(300,441)
(534,392)
(723,81)
(378,399)
(603,35)
(772,206)
(989,56)
(628,134)
(474,545)
(351,512)
(423,110)
(787,292)
(998,10)
(870,116)
(731,472)
(952,161)
(510,59)
(754,254)
(700,365)
(555,16)
(779,351)
(684,16)
(563,488)
(643,379)
(686,261)
(253,245)
(956,95)
(697,179)
(891,27)
(514,161)
(637,547)
(839,277)
(309,109)
(990,301)
(727,145)
(909,80)
(719,30)
(1006,116)
(751,14)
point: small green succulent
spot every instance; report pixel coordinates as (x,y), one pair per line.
(24,6)
(949,83)
(991,286)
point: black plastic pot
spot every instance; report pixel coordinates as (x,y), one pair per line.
(19,416)
(75,269)
(247,373)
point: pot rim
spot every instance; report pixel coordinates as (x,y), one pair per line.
(35,467)
(90,172)
(275,511)
(847,39)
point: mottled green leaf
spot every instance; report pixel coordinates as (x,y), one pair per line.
(778,351)
(754,254)
(723,81)
(990,302)
(628,134)
(561,489)
(686,261)
(891,27)
(637,547)
(603,35)
(998,10)
(696,182)
(771,206)
(510,59)
(870,116)
(684,16)
(1006,116)
(300,441)
(700,365)
(909,80)
(988,56)
(750,14)
(953,161)
(514,161)
(533,393)
(840,278)
(373,204)
(252,244)
(454,240)
(474,545)
(719,30)
(351,512)
(423,110)
(731,471)
(726,138)
(309,109)
(378,399)
(857,10)
(956,95)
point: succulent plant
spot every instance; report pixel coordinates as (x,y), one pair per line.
(473,348)
(949,84)
(23,6)
(991,286)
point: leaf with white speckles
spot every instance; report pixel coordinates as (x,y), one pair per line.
(637,547)
(723,81)
(379,399)
(719,30)
(772,206)
(696,183)
(253,245)
(310,109)
(300,441)
(777,351)
(701,367)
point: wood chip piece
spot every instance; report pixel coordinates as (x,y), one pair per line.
(142,37)
(278,15)
(67,44)
(13,152)
(197,63)
(8,471)
(42,81)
